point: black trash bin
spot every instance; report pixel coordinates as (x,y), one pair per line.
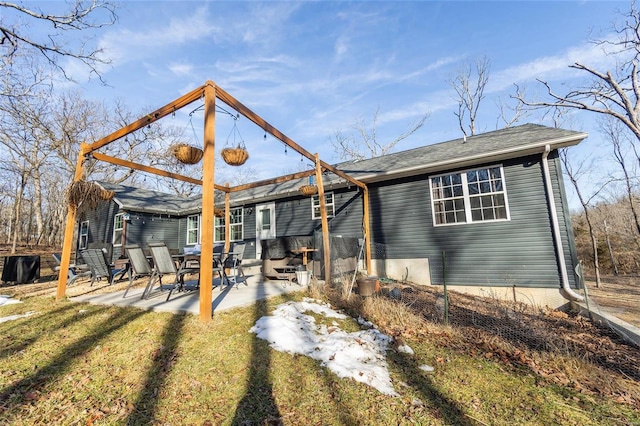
(21,269)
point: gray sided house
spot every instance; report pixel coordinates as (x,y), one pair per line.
(487,214)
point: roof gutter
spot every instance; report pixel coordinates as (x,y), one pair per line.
(556,228)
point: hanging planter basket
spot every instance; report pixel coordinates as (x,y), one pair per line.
(218,212)
(309,190)
(186,154)
(235,156)
(86,195)
(235,152)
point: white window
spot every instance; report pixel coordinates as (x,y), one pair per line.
(236,228)
(329,204)
(83,235)
(193,230)
(118,228)
(471,196)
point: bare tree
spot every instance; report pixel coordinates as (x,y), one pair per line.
(612,93)
(469,85)
(364,143)
(615,134)
(510,114)
(54,45)
(24,142)
(575,174)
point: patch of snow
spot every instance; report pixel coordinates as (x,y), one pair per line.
(405,349)
(358,355)
(15,317)
(7,300)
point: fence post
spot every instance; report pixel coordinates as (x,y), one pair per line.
(446,295)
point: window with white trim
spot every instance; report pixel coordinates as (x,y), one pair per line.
(83,235)
(329,204)
(118,229)
(470,196)
(236,228)
(193,229)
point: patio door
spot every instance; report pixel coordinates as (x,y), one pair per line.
(265,225)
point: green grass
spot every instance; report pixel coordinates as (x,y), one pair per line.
(84,364)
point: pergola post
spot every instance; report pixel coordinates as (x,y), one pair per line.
(325,223)
(69,229)
(208,201)
(227,219)
(366,225)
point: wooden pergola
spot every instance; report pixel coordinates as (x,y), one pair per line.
(209,92)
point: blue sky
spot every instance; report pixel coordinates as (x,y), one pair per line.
(311,68)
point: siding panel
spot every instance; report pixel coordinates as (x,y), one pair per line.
(294,215)
(519,252)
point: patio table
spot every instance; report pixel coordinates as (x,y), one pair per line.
(185,259)
(304,251)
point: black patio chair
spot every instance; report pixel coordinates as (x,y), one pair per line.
(98,266)
(138,265)
(74,272)
(233,262)
(165,264)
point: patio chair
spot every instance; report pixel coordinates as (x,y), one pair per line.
(138,265)
(98,266)
(75,271)
(233,262)
(164,264)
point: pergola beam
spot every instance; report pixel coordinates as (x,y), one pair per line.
(259,121)
(156,115)
(149,169)
(279,179)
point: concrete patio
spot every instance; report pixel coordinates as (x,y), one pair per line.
(251,289)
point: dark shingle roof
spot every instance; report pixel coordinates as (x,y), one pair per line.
(498,145)
(148,201)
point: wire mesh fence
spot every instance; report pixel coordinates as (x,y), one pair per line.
(552,343)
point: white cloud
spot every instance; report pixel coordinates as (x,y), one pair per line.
(551,68)
(340,47)
(123,45)
(181,68)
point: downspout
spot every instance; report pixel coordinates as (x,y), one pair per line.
(556,228)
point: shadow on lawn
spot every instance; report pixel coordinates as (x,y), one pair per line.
(438,405)
(258,405)
(164,359)
(30,329)
(26,391)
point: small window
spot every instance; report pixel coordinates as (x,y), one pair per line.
(193,230)
(236,227)
(83,236)
(118,228)
(265,222)
(329,204)
(471,196)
